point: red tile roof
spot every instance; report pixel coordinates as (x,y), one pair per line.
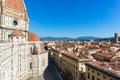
(73,55)
(0,1)
(115,66)
(102,56)
(100,64)
(112,68)
(116,59)
(16,33)
(15,4)
(33,37)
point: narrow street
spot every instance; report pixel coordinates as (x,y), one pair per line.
(51,73)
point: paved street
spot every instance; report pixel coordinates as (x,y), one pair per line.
(51,73)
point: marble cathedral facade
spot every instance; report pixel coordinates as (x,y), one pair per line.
(21,52)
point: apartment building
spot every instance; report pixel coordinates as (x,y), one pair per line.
(102,71)
(72,65)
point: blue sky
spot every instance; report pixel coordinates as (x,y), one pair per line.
(74,18)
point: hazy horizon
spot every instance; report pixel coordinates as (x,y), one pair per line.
(66,36)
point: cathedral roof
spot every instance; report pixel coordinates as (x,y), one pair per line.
(33,37)
(16,33)
(15,4)
(0,1)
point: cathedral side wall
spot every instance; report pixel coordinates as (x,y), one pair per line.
(16,60)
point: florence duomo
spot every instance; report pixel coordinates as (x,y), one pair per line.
(21,52)
(73,40)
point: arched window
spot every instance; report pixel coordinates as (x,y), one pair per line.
(30,65)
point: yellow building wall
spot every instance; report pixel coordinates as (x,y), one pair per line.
(98,75)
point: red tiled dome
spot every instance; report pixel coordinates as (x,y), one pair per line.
(33,37)
(16,33)
(15,4)
(0,1)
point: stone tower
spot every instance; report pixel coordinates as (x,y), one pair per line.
(116,37)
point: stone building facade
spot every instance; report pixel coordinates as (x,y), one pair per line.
(101,71)
(71,64)
(21,53)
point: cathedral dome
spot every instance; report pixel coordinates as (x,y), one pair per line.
(16,5)
(33,37)
(16,33)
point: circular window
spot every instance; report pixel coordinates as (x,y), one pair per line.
(15,23)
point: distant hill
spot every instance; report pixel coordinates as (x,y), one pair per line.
(55,38)
(87,38)
(67,38)
(84,38)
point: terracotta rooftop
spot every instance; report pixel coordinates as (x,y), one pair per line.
(15,4)
(112,68)
(16,33)
(100,64)
(108,56)
(72,55)
(33,37)
(75,56)
(93,47)
(116,59)
(115,66)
